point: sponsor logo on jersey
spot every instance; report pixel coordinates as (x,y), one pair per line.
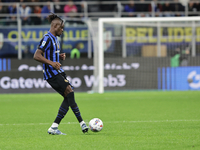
(57,51)
(43,43)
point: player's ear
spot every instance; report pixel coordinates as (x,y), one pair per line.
(57,25)
(54,25)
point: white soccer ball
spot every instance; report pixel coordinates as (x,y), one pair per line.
(96,125)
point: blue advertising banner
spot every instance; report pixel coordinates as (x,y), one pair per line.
(32,35)
(72,36)
(5,64)
(179,78)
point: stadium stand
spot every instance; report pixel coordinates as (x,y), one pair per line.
(94,9)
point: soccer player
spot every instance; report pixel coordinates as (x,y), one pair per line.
(48,54)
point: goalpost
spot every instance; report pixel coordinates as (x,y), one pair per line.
(138,53)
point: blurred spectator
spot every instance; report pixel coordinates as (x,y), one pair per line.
(45,11)
(81,10)
(180,56)
(75,52)
(40,0)
(184,57)
(142,7)
(57,7)
(70,8)
(93,7)
(130,9)
(3,10)
(80,6)
(175,58)
(33,1)
(13,12)
(107,7)
(27,53)
(157,8)
(167,9)
(197,5)
(178,8)
(36,20)
(10,1)
(25,12)
(21,1)
(12,9)
(192,9)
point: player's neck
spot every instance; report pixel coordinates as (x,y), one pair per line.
(52,32)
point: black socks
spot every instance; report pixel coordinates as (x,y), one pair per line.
(62,111)
(77,113)
(68,101)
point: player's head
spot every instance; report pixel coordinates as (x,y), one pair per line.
(57,24)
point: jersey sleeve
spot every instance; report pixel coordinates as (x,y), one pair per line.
(44,43)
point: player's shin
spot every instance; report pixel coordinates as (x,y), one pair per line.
(62,111)
(77,113)
(74,106)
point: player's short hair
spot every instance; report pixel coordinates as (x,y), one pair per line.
(53,16)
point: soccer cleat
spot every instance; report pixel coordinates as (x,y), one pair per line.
(55,131)
(84,128)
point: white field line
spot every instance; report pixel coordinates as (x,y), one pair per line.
(150,121)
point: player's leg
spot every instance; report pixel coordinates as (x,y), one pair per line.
(61,114)
(59,85)
(69,94)
(63,87)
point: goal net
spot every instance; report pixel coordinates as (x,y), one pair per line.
(146,53)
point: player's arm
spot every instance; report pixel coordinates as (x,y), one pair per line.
(62,56)
(38,56)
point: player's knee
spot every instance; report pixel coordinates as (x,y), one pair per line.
(67,91)
(71,99)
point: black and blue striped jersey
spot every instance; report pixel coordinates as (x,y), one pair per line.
(50,45)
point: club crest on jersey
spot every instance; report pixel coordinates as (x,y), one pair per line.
(58,46)
(43,43)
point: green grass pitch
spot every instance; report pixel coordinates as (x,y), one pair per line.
(153,120)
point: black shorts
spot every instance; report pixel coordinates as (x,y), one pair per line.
(59,83)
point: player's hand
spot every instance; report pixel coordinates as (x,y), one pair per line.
(56,65)
(62,56)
